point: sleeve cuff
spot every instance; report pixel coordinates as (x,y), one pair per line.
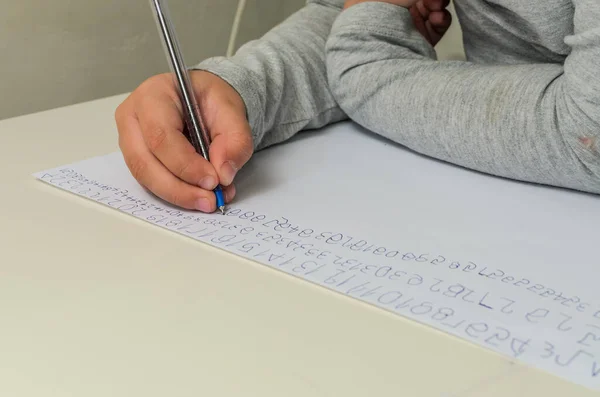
(383,19)
(241,80)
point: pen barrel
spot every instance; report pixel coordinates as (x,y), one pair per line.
(196,130)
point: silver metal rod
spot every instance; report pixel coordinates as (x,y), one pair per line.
(196,130)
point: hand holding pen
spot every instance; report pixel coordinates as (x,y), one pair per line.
(151,126)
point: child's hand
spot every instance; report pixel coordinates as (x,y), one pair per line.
(430,17)
(160,157)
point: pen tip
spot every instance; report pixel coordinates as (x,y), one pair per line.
(222,209)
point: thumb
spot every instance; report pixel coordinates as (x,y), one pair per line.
(224,115)
(231,137)
(232,145)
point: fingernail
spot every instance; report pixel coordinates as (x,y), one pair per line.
(203,205)
(228,172)
(208,183)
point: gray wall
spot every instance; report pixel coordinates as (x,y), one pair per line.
(60,52)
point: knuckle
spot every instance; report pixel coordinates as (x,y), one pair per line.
(246,146)
(193,168)
(153,84)
(180,199)
(156,138)
(148,83)
(247,154)
(121,113)
(184,169)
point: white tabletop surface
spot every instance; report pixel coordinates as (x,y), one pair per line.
(96,303)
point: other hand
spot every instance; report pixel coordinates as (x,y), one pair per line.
(431,18)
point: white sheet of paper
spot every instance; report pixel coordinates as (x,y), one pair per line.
(509,266)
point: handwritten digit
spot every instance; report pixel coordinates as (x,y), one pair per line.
(572,358)
(390,297)
(473,330)
(501,335)
(425,308)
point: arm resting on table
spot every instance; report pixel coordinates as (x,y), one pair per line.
(538,123)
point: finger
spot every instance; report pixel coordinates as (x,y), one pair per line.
(435,32)
(419,22)
(230,151)
(161,123)
(231,138)
(224,114)
(153,175)
(423,10)
(230,193)
(440,22)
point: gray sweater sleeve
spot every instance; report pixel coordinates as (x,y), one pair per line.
(282,77)
(538,123)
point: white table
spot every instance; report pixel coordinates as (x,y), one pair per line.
(97,303)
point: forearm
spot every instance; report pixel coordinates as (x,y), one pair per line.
(282,76)
(534,123)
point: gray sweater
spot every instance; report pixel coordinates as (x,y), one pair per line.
(525,105)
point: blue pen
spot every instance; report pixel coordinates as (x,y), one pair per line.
(196,130)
